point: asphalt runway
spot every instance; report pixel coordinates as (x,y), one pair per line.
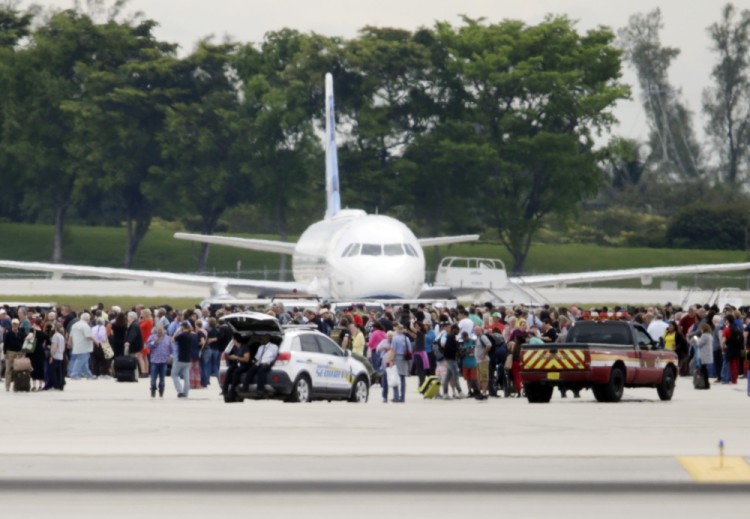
(102,447)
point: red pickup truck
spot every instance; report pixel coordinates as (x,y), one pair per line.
(606,356)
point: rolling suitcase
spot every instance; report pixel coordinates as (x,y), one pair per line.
(126,369)
(430,387)
(22,381)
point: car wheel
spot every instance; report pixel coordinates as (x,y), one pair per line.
(538,393)
(302,390)
(614,388)
(360,391)
(666,388)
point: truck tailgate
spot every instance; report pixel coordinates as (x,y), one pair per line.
(556,358)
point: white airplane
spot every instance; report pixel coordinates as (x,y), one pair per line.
(350,255)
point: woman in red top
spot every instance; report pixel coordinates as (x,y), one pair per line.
(146,324)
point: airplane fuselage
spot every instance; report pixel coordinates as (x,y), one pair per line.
(353,255)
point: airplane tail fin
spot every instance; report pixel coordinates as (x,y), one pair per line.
(333,196)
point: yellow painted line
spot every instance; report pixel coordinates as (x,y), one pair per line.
(708,469)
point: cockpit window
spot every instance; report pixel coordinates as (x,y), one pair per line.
(371,249)
(393,249)
(347,250)
(352,250)
(410,250)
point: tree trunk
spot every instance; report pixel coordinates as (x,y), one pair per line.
(135,236)
(57,247)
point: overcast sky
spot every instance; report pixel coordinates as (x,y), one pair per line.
(186,21)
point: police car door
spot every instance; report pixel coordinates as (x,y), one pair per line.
(310,360)
(337,365)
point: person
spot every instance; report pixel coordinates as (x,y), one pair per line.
(469,367)
(516,365)
(160,345)
(37,355)
(482,347)
(705,351)
(82,344)
(57,354)
(345,334)
(215,344)
(384,354)
(449,349)
(357,338)
(182,353)
(134,341)
(199,345)
(376,337)
(734,343)
(402,346)
(146,325)
(264,359)
(118,330)
(99,358)
(237,350)
(421,359)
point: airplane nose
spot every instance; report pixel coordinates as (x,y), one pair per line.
(403,281)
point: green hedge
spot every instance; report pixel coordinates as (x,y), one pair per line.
(703,226)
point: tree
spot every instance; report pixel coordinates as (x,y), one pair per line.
(727,103)
(120,117)
(282,84)
(206,142)
(673,144)
(535,96)
(378,97)
(15,26)
(48,76)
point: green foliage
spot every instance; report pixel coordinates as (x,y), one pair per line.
(703,226)
(619,227)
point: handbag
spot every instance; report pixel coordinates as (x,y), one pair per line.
(391,372)
(29,344)
(107,349)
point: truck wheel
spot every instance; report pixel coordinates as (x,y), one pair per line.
(598,391)
(666,388)
(538,393)
(614,388)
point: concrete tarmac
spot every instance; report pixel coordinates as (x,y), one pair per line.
(102,447)
(32,287)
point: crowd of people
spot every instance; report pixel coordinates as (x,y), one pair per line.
(477,346)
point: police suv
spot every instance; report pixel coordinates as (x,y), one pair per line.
(310,366)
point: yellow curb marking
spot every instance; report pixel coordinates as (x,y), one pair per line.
(708,469)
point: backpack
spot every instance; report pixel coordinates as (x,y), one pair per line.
(736,340)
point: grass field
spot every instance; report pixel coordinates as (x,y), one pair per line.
(104,246)
(100,246)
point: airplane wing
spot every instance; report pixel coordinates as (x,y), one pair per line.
(646,274)
(280,247)
(217,285)
(445,240)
